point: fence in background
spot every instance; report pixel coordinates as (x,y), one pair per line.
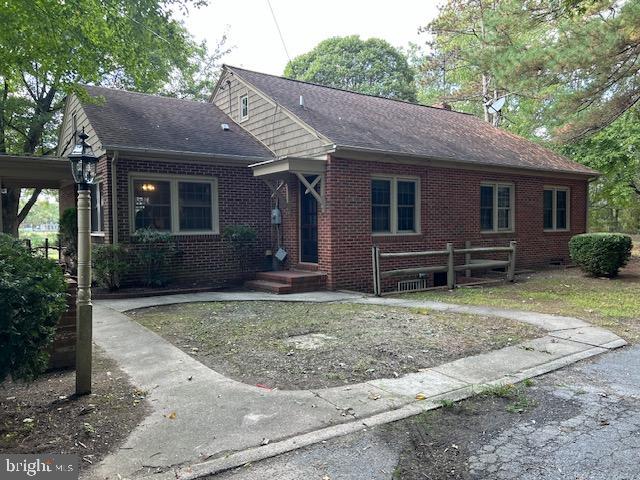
(45,248)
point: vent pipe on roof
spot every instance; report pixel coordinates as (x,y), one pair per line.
(301,101)
(224,126)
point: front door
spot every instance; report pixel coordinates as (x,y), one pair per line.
(308,225)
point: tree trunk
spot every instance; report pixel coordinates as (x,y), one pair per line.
(10,204)
(12,216)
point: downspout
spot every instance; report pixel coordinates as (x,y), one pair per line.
(114,200)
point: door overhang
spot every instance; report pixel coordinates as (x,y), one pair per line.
(273,172)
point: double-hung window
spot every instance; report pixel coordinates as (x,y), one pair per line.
(496,207)
(244,107)
(394,205)
(555,208)
(97,211)
(177,204)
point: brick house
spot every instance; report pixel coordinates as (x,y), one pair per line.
(345,170)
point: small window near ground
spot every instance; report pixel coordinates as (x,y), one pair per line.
(195,206)
(244,107)
(152,204)
(496,207)
(97,212)
(556,208)
(394,205)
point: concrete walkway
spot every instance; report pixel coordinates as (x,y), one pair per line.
(220,423)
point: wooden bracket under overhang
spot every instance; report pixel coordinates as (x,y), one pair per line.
(273,172)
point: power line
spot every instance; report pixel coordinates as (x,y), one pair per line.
(275,20)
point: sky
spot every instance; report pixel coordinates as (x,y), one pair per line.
(257,45)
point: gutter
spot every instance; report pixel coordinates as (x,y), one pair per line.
(353,149)
(184,153)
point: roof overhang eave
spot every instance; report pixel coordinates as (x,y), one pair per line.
(453,162)
(143,151)
(283,165)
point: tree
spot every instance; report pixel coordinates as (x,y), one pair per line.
(47,49)
(45,211)
(614,152)
(572,65)
(367,66)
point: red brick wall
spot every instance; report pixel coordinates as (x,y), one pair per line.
(242,199)
(63,349)
(290,221)
(450,212)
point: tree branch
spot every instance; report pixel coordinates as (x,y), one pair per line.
(25,210)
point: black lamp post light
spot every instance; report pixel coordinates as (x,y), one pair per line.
(83,167)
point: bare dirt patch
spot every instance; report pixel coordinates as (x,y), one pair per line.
(296,345)
(45,417)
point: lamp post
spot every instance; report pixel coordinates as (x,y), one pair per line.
(83,166)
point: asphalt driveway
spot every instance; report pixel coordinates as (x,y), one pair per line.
(585,426)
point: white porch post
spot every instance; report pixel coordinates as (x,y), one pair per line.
(84,307)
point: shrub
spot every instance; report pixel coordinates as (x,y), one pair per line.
(109,265)
(68,231)
(242,239)
(32,299)
(601,254)
(154,251)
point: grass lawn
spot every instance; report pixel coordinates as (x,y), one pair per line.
(295,345)
(610,303)
(45,417)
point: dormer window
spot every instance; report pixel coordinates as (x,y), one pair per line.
(244,107)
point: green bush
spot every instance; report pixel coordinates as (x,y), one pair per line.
(32,299)
(154,251)
(110,263)
(601,254)
(242,239)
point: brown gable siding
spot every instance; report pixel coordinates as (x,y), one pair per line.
(66,142)
(267,120)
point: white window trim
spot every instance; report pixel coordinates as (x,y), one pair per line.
(554,202)
(393,221)
(174,180)
(512,207)
(240,98)
(98,183)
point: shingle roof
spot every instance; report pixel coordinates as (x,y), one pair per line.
(140,121)
(368,122)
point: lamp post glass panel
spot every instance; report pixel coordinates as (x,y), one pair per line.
(83,166)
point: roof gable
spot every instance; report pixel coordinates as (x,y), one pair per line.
(373,123)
